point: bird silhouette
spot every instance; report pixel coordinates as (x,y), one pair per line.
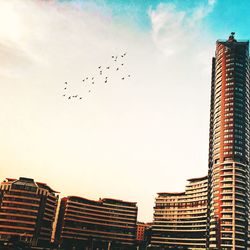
(100,70)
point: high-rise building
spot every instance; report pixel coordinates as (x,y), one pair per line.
(27,211)
(180,219)
(228,175)
(103,224)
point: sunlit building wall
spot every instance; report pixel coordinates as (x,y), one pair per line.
(27,211)
(180,219)
(228,176)
(106,223)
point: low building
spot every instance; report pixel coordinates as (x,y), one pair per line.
(103,224)
(180,219)
(143,234)
(27,211)
(140,231)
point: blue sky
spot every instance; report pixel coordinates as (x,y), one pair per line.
(227,15)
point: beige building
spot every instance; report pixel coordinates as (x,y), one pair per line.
(180,219)
(27,211)
(103,224)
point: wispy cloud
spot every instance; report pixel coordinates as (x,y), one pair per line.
(173,30)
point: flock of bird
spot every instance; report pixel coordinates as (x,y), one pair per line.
(103,72)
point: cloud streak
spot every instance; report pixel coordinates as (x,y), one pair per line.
(174,31)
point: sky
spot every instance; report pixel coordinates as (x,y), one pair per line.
(128,138)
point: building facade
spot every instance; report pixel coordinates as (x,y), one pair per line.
(103,224)
(27,211)
(180,219)
(143,234)
(140,230)
(228,175)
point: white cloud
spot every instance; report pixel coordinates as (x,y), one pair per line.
(174,31)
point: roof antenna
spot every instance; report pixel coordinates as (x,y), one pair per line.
(231,37)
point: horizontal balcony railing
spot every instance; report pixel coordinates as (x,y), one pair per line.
(99,223)
(21,197)
(93,215)
(105,206)
(101,209)
(96,234)
(21,209)
(2,227)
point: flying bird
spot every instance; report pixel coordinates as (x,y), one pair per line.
(101,70)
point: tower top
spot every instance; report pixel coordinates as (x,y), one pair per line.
(231,37)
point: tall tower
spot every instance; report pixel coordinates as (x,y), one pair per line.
(228,174)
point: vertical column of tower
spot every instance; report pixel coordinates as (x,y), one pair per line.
(228,175)
(210,154)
